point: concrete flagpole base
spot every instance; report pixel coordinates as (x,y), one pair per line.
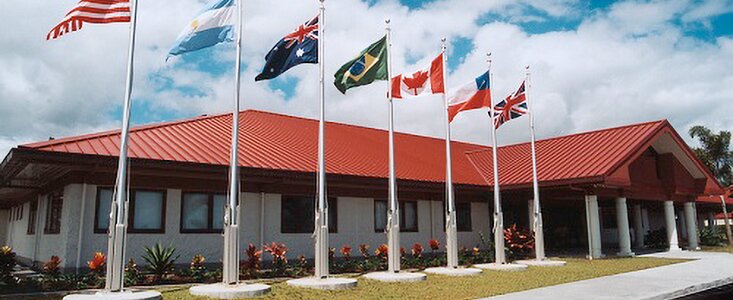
(124,295)
(541,263)
(330,283)
(396,277)
(502,267)
(226,291)
(460,271)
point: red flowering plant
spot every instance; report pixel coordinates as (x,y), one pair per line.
(251,266)
(519,241)
(381,251)
(279,260)
(51,267)
(346,252)
(97,264)
(417,250)
(434,245)
(364,250)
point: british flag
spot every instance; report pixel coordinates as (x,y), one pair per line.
(510,108)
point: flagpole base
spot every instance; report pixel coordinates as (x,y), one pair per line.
(226,291)
(541,263)
(396,276)
(330,283)
(460,271)
(124,295)
(502,267)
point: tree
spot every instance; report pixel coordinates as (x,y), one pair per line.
(715,152)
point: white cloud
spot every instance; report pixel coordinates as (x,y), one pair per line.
(624,64)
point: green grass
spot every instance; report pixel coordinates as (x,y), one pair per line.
(489,283)
(728,249)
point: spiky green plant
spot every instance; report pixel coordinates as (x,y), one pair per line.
(160,260)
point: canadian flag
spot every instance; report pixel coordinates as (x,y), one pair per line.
(427,79)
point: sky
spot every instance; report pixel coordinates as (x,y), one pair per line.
(594,64)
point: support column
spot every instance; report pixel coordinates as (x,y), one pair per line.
(682,223)
(594,227)
(671,226)
(691,216)
(622,221)
(638,226)
(711,222)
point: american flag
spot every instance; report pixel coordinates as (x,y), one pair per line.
(92,11)
(510,108)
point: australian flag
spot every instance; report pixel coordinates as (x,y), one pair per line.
(298,47)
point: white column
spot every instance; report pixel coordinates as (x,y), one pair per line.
(671,226)
(682,223)
(622,221)
(594,227)
(691,216)
(638,226)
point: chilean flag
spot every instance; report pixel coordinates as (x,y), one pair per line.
(427,79)
(473,95)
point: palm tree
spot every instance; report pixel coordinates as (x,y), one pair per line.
(714,152)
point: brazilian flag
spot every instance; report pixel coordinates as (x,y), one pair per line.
(369,66)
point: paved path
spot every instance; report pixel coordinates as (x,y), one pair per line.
(709,270)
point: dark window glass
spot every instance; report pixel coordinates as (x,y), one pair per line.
(608,218)
(463,216)
(32,217)
(104,201)
(147,210)
(53,214)
(297,214)
(408,216)
(202,213)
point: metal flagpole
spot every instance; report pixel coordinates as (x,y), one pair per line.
(393,216)
(539,236)
(727,221)
(451,232)
(498,215)
(118,210)
(231,217)
(321,225)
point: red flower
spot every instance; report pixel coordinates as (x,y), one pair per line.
(417,250)
(277,251)
(434,245)
(346,250)
(364,249)
(382,250)
(98,262)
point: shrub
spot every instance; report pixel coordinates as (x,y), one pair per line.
(656,239)
(520,242)
(132,274)
(160,260)
(417,250)
(382,251)
(251,266)
(301,268)
(710,237)
(279,258)
(97,264)
(7,263)
(51,267)
(197,269)
(364,249)
(346,252)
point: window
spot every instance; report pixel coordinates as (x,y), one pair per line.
(463,216)
(608,218)
(202,213)
(408,216)
(32,217)
(297,214)
(146,212)
(20,214)
(53,214)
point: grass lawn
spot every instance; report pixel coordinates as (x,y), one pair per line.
(728,249)
(489,283)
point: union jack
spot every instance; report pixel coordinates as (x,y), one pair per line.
(309,30)
(510,108)
(92,11)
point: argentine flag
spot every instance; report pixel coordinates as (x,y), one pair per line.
(215,24)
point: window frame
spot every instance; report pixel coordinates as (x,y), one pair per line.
(402,216)
(32,217)
(131,211)
(210,213)
(332,213)
(50,208)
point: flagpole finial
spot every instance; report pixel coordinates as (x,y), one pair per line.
(488,59)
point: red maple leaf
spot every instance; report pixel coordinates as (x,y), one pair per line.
(416,83)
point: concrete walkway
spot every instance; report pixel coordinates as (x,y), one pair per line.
(708,270)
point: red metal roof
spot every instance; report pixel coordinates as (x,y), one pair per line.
(279,142)
(589,155)
(715,199)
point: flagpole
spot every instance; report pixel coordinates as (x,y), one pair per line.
(451,232)
(118,214)
(321,230)
(230,272)
(393,220)
(539,236)
(498,215)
